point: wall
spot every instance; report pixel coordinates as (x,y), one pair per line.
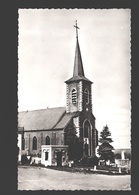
(70,106)
(87,106)
(86,115)
(52,156)
(80,105)
(56,138)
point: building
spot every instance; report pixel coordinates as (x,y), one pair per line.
(46,128)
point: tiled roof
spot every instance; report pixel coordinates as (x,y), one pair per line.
(78,78)
(64,121)
(43,119)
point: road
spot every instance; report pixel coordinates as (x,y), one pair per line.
(39,178)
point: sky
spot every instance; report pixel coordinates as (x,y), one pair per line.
(46,50)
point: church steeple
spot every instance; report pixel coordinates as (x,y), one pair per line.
(78,87)
(78,65)
(78,71)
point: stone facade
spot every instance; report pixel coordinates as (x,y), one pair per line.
(83,105)
(56,138)
(80,104)
(82,119)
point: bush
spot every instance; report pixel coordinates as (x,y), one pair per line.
(89,161)
(117,156)
(84,161)
(24,159)
(93,160)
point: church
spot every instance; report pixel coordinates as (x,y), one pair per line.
(43,131)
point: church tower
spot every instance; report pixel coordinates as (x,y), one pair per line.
(79,100)
(78,87)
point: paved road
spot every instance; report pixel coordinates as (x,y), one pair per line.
(35,178)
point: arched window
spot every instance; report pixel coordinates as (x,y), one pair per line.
(47,140)
(86,92)
(74,96)
(86,129)
(34,146)
(23,143)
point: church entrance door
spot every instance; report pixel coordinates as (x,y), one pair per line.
(59,159)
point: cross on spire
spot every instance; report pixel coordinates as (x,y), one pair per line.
(76,29)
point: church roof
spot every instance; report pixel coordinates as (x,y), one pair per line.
(77,78)
(78,65)
(41,119)
(65,120)
(44,119)
(78,72)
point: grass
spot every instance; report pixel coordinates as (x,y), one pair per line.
(87,170)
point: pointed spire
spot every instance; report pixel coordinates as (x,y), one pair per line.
(78,71)
(78,65)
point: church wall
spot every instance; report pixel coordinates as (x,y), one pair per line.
(92,138)
(78,106)
(56,138)
(85,105)
(80,96)
(77,125)
(85,109)
(81,104)
(60,138)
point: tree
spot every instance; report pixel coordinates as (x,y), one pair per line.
(74,143)
(105,148)
(105,135)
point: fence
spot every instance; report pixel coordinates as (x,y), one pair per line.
(121,163)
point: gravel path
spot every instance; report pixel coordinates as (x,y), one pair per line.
(38,178)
